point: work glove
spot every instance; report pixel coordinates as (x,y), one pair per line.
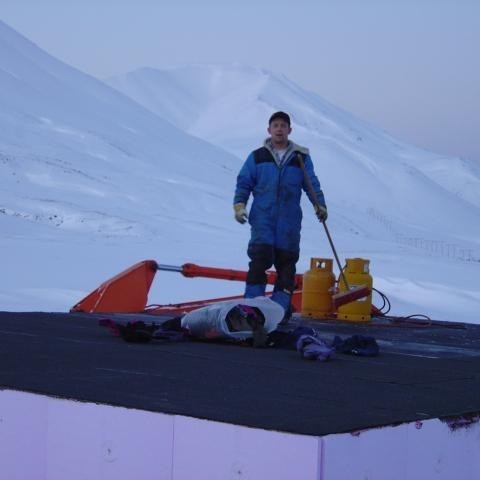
(321,212)
(241,215)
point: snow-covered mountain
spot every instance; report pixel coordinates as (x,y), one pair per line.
(80,161)
(92,182)
(78,154)
(228,105)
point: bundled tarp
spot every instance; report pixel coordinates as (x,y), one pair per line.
(250,319)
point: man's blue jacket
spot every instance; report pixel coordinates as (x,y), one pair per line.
(276,216)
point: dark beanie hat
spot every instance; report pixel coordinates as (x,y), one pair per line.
(280,116)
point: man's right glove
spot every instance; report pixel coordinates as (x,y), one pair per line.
(241,215)
(321,212)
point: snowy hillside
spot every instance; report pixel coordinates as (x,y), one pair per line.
(70,144)
(81,163)
(92,182)
(229,105)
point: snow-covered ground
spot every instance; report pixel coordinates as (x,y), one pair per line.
(95,179)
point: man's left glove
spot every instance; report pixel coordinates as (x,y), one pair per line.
(241,215)
(321,212)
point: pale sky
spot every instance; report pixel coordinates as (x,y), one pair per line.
(411,67)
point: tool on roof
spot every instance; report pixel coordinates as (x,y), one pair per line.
(127,292)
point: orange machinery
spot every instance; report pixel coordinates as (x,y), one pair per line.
(127,292)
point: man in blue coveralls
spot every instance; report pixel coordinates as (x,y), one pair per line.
(273,175)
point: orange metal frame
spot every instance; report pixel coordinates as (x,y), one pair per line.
(127,292)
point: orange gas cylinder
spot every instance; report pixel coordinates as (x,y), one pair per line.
(357,274)
(317,290)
